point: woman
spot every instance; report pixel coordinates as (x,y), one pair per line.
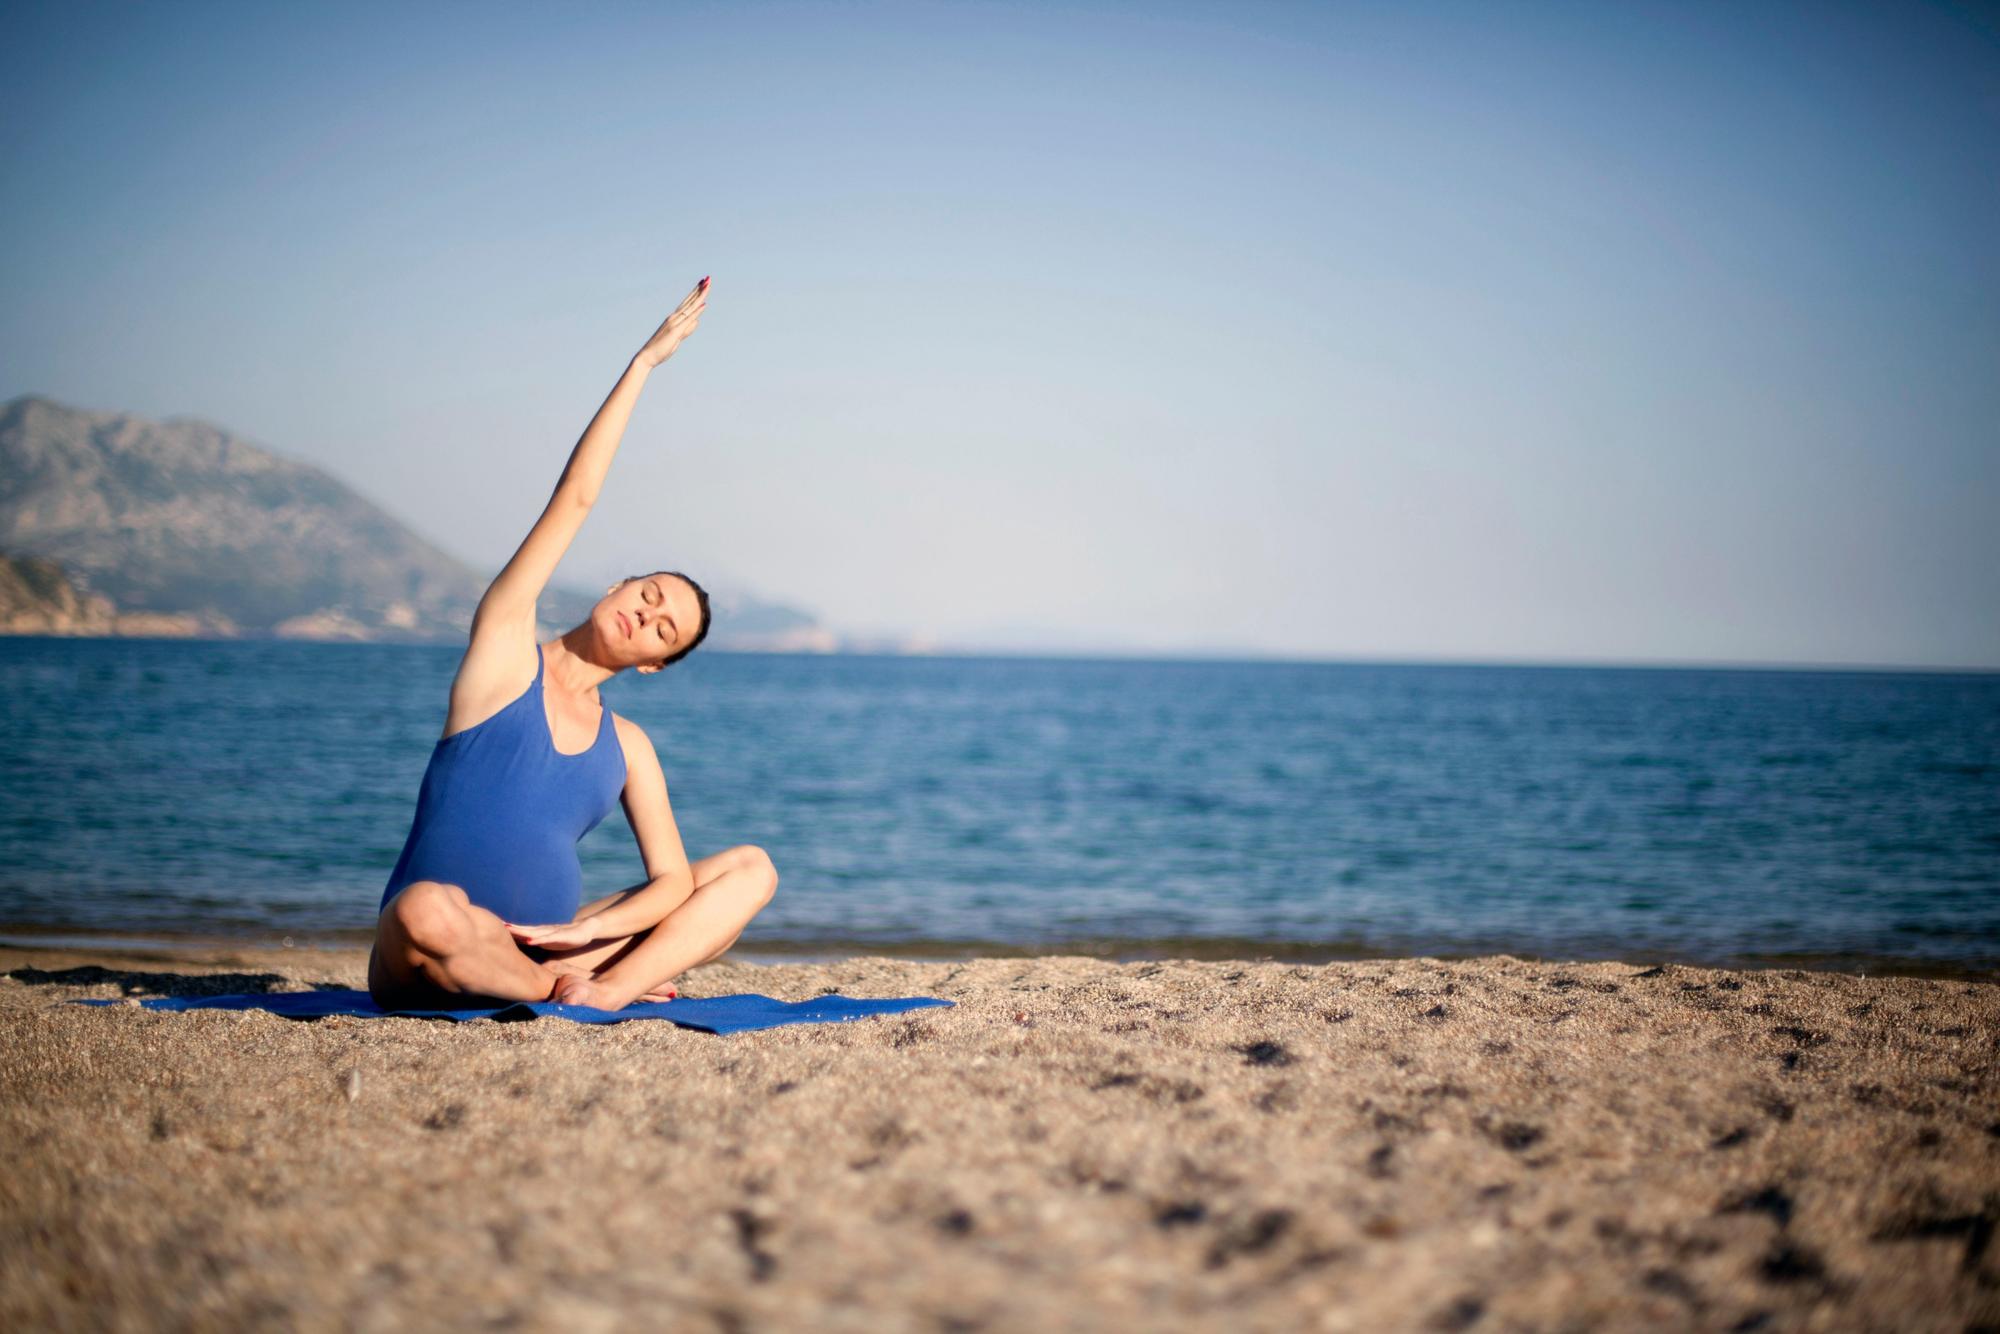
(485,899)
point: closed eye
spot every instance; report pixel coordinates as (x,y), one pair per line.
(666,621)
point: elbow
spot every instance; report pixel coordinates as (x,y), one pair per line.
(572,490)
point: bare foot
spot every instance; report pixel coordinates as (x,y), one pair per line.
(582,989)
(554,971)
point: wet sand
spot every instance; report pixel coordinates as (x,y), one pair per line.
(1391,1144)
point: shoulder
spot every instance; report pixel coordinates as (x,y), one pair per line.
(500,664)
(501,656)
(632,738)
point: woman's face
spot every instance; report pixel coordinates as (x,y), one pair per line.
(646,620)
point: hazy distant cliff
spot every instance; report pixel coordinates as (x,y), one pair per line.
(181,516)
(37,598)
(179,527)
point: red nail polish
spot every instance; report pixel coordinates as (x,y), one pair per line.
(704,280)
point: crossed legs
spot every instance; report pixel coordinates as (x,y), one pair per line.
(434,947)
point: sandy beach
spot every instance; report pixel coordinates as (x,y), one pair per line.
(1077,1144)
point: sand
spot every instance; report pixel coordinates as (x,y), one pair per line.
(1078,1144)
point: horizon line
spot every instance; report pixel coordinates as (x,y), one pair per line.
(1238,657)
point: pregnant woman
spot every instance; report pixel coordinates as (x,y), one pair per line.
(486,900)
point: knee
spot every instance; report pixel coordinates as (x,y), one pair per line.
(763,872)
(432,917)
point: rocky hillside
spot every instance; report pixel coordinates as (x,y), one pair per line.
(37,598)
(182,517)
(121,525)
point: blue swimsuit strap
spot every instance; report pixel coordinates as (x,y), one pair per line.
(603,717)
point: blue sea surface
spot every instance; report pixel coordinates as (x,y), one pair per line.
(266,787)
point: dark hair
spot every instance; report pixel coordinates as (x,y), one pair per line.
(701,601)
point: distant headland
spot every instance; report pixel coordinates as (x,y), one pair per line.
(112,524)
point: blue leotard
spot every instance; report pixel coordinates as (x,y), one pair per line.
(501,809)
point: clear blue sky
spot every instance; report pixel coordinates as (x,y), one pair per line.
(1558,332)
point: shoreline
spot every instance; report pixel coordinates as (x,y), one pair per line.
(1226,657)
(1112,949)
(1073,1144)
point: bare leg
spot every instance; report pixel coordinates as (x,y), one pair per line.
(435,947)
(598,956)
(730,888)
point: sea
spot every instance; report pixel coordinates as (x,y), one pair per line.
(171,790)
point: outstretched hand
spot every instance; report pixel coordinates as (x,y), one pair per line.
(677,326)
(559,936)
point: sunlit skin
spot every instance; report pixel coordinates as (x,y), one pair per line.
(435,947)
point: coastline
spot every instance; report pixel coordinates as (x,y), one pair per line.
(1076,1143)
(1110,949)
(878,647)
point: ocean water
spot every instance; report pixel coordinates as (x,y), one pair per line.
(266,788)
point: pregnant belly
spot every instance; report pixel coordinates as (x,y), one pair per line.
(532,884)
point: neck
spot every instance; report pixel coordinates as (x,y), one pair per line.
(573,665)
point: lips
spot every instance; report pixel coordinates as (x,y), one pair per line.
(625,625)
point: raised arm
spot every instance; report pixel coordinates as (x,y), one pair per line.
(510,600)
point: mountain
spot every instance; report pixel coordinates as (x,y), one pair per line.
(181,516)
(36,597)
(183,528)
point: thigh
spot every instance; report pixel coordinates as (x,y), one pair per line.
(710,869)
(600,954)
(702,872)
(393,968)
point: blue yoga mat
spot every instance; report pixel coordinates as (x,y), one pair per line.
(715,1014)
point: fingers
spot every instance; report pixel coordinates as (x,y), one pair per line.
(689,310)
